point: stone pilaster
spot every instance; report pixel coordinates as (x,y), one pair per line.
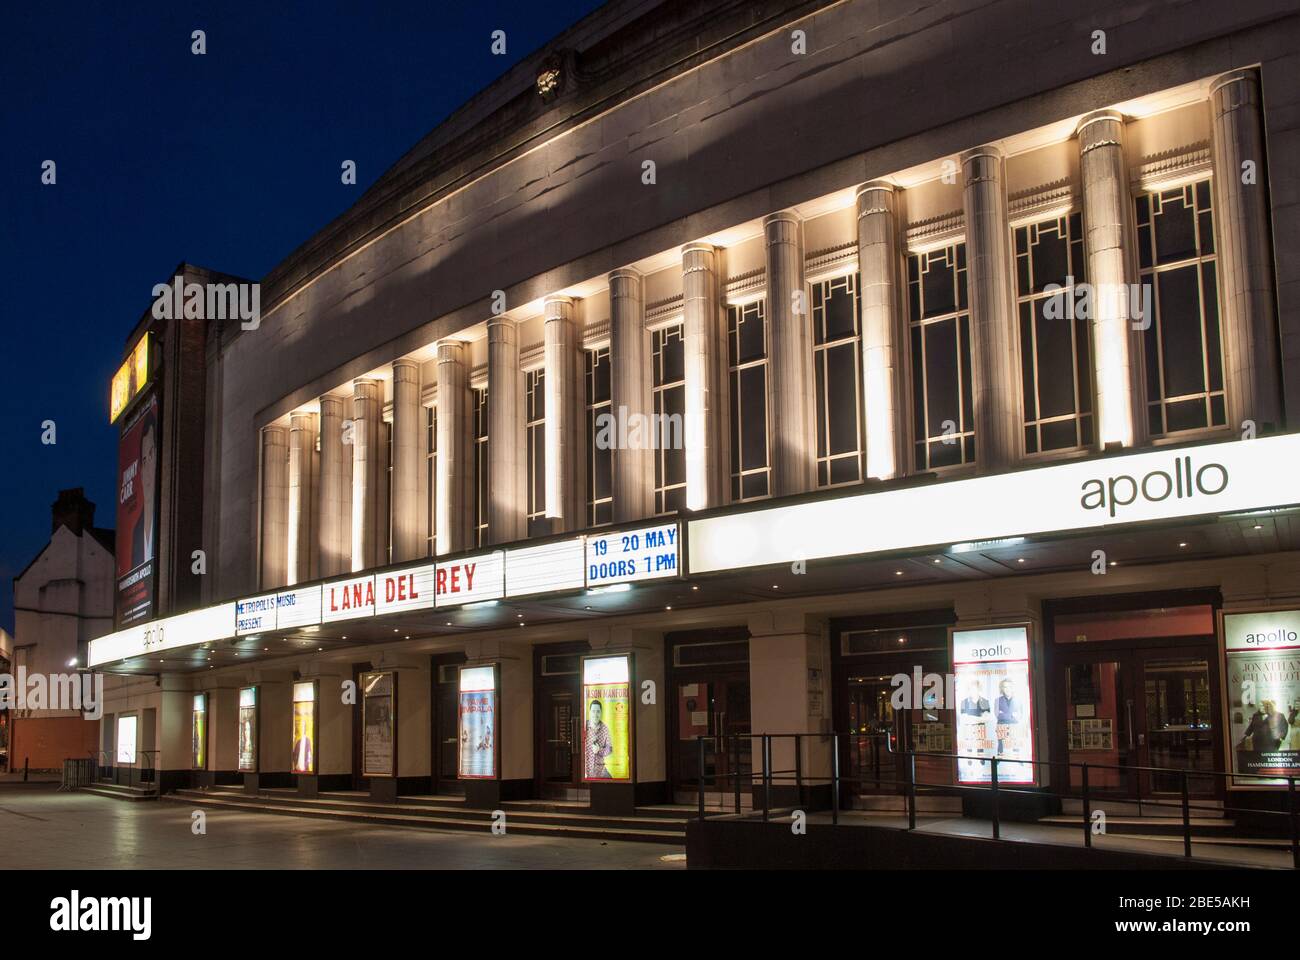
(793,438)
(334,516)
(630,396)
(454,496)
(366,423)
(1112,273)
(275,505)
(1249,323)
(408,461)
(301,541)
(566,476)
(994,350)
(883,332)
(705,434)
(507,446)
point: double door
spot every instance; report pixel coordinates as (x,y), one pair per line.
(716,707)
(874,752)
(1142,718)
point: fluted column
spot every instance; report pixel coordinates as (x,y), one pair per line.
(566,477)
(883,331)
(508,468)
(1112,273)
(302,447)
(275,505)
(408,460)
(993,341)
(706,397)
(454,503)
(334,516)
(630,398)
(366,401)
(1250,336)
(793,438)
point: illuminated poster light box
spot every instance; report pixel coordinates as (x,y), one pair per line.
(477,714)
(248,729)
(303,755)
(1262,692)
(607,718)
(199,732)
(994,704)
(131,377)
(126,737)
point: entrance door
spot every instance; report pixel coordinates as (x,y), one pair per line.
(879,735)
(559,751)
(1139,708)
(717,709)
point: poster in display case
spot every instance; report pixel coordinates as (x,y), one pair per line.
(199,732)
(378,724)
(1262,687)
(477,720)
(248,729)
(303,756)
(994,704)
(607,718)
(126,734)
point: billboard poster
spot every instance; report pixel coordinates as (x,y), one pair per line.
(377,716)
(248,729)
(994,704)
(303,757)
(607,718)
(478,723)
(139,462)
(199,732)
(1263,681)
(126,729)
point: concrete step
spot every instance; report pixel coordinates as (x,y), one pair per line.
(652,818)
(119,792)
(416,815)
(1212,830)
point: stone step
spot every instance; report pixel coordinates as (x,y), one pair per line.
(594,828)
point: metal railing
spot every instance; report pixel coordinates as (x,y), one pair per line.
(78,772)
(142,773)
(995,790)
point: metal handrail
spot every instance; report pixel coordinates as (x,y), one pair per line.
(995,788)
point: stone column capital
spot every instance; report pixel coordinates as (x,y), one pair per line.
(975,154)
(625,273)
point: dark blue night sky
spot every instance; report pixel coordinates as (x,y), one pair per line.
(228,160)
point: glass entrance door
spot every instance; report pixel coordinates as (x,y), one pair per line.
(718,710)
(1142,708)
(1178,722)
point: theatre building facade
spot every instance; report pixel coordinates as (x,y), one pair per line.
(905,379)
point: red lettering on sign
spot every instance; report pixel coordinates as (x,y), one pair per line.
(469,575)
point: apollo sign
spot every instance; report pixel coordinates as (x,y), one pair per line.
(1156,485)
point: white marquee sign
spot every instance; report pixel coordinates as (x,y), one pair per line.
(1084,495)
